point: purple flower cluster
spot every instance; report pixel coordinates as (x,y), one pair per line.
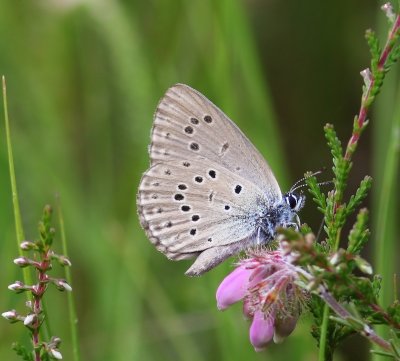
(266,282)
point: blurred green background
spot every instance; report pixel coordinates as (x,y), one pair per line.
(84,78)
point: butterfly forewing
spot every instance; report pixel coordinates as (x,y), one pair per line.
(188,126)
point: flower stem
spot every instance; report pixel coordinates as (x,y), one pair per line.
(40,288)
(363,328)
(322,356)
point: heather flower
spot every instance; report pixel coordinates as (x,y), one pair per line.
(55,354)
(10,315)
(266,282)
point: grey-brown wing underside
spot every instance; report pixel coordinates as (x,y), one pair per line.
(187,125)
(198,209)
(192,138)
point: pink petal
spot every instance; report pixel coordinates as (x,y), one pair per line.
(261,330)
(260,273)
(247,309)
(233,288)
(283,328)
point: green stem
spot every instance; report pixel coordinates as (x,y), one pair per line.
(322,356)
(73,318)
(337,242)
(385,243)
(386,252)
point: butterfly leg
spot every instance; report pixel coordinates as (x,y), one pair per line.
(211,257)
(258,239)
(295,225)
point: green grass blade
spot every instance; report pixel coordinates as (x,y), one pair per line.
(385,209)
(385,215)
(17,213)
(73,318)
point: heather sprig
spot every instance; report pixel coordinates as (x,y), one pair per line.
(331,269)
(331,277)
(339,285)
(41,260)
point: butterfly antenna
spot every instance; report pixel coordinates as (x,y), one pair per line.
(296,186)
(325,183)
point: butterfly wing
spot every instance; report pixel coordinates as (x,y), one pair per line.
(188,126)
(191,140)
(199,209)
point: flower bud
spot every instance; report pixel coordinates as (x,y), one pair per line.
(55,340)
(10,315)
(261,330)
(367,76)
(363,265)
(334,259)
(283,328)
(62,285)
(62,260)
(29,319)
(55,353)
(388,9)
(22,262)
(17,286)
(27,245)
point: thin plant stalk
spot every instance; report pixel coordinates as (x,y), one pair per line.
(73,318)
(384,252)
(19,230)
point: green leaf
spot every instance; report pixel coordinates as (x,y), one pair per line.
(46,232)
(394,311)
(318,197)
(359,234)
(333,141)
(361,193)
(374,49)
(22,351)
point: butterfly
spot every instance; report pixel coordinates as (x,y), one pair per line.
(209,193)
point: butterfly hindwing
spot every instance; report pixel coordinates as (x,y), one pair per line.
(187,208)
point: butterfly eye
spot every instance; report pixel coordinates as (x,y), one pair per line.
(291,200)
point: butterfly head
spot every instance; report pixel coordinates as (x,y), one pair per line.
(294,201)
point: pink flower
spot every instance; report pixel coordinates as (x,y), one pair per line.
(233,288)
(266,282)
(261,330)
